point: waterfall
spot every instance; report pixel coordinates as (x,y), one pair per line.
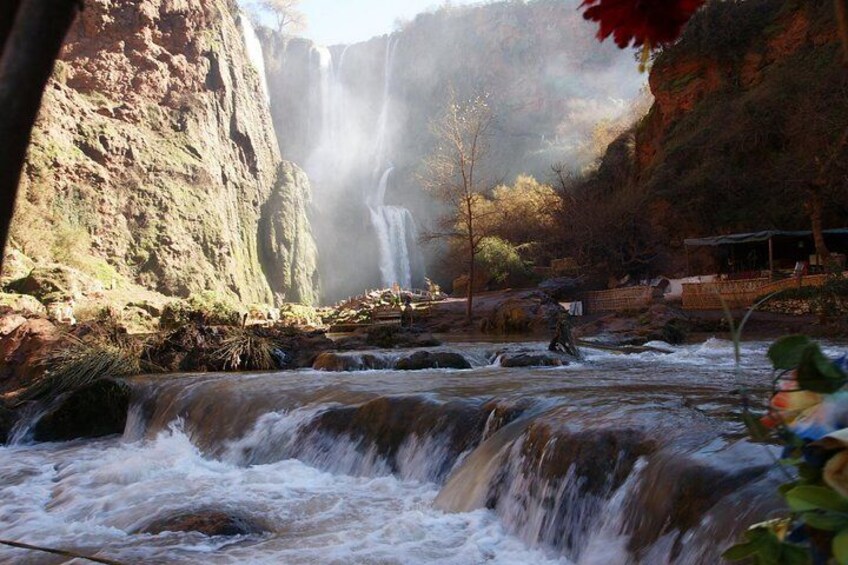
(381,140)
(320,109)
(396,234)
(254,53)
(350,148)
(394,225)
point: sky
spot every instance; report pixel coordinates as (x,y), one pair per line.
(349,21)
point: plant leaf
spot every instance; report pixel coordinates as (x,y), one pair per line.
(804,498)
(840,547)
(740,551)
(816,373)
(785,353)
(827,522)
(793,555)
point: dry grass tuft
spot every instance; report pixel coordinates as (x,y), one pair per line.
(246,351)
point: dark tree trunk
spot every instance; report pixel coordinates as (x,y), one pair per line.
(8,9)
(30,46)
(815,206)
(841,7)
(469,303)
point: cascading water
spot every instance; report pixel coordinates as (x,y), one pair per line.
(396,236)
(490,464)
(254,52)
(394,225)
(349,155)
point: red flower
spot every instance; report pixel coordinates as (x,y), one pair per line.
(640,22)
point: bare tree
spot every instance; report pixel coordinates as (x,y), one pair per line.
(31,34)
(287,13)
(453,175)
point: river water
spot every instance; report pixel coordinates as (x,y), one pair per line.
(616,459)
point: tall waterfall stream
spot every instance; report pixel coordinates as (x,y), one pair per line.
(638,459)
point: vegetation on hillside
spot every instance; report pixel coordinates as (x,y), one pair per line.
(749,132)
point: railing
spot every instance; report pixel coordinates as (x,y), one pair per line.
(617,299)
(739,293)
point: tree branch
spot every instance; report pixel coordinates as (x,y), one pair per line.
(29,54)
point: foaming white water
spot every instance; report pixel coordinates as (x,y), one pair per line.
(280,436)
(361,486)
(395,231)
(712,352)
(92,496)
(255,53)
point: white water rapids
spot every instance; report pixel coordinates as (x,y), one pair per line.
(285,451)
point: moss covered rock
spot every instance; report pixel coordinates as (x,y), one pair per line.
(55,283)
(22,304)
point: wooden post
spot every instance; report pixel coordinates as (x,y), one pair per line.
(771,257)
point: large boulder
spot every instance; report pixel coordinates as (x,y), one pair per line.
(10,322)
(561,288)
(398,337)
(660,322)
(16,266)
(207,522)
(498,312)
(388,337)
(55,283)
(540,359)
(22,304)
(338,362)
(432,360)
(532,312)
(7,422)
(97,410)
(20,350)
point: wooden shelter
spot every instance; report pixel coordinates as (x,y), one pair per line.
(747,255)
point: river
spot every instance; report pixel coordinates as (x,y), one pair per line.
(615,459)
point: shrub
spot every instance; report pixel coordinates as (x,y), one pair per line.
(299,315)
(207,307)
(500,259)
(80,363)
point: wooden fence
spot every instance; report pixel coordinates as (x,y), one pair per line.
(739,293)
(617,299)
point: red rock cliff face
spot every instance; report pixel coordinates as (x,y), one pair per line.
(748,105)
(155,149)
(680,82)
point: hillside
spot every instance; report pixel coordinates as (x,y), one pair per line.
(751,109)
(155,162)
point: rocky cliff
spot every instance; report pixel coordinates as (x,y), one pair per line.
(155,159)
(750,109)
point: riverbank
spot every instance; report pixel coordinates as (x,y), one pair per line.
(67,372)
